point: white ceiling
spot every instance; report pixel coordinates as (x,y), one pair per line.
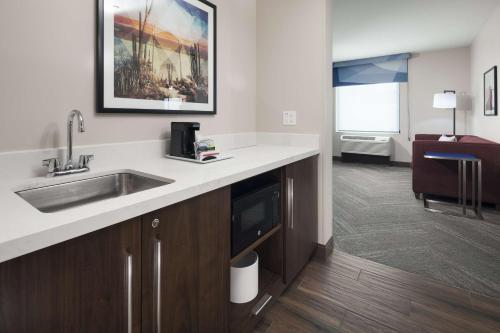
(368,28)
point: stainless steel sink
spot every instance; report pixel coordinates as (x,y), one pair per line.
(58,197)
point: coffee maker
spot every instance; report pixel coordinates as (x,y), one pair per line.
(182,139)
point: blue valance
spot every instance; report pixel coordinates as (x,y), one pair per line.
(386,69)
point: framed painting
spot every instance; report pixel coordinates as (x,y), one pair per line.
(156,56)
(490,92)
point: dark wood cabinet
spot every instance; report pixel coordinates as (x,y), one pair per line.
(88,284)
(186,265)
(167,271)
(301,214)
(169,268)
(283,254)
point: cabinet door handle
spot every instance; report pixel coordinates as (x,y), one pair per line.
(157,283)
(261,304)
(129,291)
(290,202)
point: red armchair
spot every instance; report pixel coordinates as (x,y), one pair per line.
(438,177)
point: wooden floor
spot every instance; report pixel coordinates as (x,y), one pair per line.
(350,294)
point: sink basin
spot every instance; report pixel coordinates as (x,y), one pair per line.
(53,198)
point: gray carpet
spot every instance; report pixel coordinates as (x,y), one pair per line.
(377,217)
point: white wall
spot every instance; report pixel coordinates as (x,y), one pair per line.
(47,69)
(294,73)
(485,53)
(428,73)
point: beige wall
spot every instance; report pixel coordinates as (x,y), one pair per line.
(434,72)
(289,71)
(485,53)
(294,51)
(429,73)
(47,69)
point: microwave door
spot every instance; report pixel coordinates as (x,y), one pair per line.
(253,216)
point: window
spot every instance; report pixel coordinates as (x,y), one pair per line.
(368,108)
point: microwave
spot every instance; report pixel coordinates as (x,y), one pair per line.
(255,208)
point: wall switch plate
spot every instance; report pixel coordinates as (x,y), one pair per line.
(289,118)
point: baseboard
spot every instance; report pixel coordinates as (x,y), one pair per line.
(365,159)
(392,163)
(401,164)
(324,251)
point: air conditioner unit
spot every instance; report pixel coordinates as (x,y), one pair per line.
(366,145)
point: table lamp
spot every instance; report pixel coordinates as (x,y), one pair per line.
(447,100)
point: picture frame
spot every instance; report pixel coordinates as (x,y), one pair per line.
(491,92)
(156,57)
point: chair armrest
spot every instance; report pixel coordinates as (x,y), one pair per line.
(434,137)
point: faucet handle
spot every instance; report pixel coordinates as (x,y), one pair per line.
(52,164)
(84,160)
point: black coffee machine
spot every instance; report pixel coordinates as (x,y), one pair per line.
(182,139)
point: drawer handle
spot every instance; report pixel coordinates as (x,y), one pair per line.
(129,292)
(157,283)
(290,202)
(261,304)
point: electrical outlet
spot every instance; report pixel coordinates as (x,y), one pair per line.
(289,118)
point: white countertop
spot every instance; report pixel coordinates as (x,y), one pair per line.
(24,229)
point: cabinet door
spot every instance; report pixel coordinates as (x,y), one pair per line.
(301,215)
(88,284)
(186,265)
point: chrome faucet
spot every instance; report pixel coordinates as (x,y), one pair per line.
(81,129)
(53,165)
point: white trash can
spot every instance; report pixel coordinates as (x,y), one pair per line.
(245,279)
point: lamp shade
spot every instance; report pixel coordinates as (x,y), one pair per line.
(445,101)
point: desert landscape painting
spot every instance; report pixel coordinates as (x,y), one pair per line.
(161,50)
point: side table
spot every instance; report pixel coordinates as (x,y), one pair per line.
(476,186)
